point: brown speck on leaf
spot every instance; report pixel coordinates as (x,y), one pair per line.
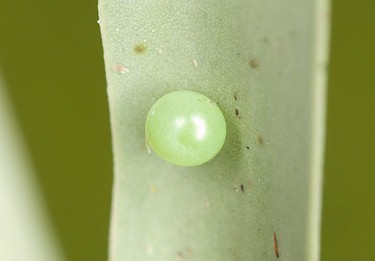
(275,246)
(254,63)
(242,188)
(235,96)
(140,48)
(237,113)
(260,139)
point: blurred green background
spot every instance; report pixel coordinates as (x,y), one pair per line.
(51,58)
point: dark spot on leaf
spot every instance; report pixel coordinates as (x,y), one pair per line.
(237,113)
(235,96)
(140,48)
(247,147)
(254,63)
(275,245)
(242,188)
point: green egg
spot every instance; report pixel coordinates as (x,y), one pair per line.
(185,128)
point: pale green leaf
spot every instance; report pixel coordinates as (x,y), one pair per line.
(264,64)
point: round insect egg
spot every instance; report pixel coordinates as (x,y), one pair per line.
(185,128)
